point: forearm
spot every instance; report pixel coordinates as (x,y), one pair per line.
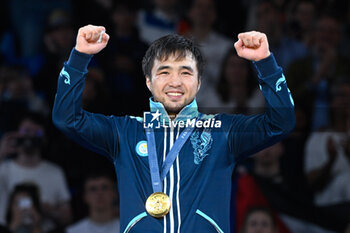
(67,106)
(279,105)
(259,131)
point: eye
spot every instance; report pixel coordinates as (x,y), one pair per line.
(164,73)
(186,73)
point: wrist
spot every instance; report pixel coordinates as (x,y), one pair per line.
(81,50)
(263,57)
(78,60)
(78,49)
(267,66)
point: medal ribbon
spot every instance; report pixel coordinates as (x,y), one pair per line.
(156,177)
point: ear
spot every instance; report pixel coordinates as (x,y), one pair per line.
(149,83)
(199,83)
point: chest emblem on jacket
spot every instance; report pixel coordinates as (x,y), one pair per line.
(201,143)
(141,148)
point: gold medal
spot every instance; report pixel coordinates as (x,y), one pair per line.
(158,204)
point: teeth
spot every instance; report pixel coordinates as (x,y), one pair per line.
(174,94)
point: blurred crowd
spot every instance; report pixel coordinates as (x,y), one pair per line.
(50,184)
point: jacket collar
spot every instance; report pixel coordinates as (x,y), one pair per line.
(190,111)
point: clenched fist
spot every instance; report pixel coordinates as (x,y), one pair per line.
(252,46)
(91,39)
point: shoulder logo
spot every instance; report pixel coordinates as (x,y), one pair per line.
(279,82)
(141,148)
(201,143)
(66,76)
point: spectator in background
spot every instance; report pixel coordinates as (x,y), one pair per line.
(17,96)
(24,211)
(28,19)
(100,196)
(311,78)
(19,91)
(237,91)
(121,64)
(9,110)
(266,186)
(250,194)
(28,165)
(214,46)
(159,21)
(59,33)
(327,153)
(302,21)
(267,18)
(58,37)
(96,97)
(259,220)
(292,162)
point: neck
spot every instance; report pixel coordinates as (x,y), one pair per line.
(28,160)
(267,170)
(102,216)
(172,115)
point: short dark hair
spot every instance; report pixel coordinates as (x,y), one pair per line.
(96,174)
(172,44)
(31,189)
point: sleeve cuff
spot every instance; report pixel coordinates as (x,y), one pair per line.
(79,61)
(266,66)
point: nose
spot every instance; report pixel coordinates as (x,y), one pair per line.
(175,80)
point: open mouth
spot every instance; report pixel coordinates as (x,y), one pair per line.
(174,93)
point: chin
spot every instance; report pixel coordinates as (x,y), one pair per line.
(171,111)
(174,109)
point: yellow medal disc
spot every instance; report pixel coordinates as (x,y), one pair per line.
(158,204)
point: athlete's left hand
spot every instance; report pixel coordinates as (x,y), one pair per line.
(252,46)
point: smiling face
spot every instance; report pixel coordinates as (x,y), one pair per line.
(174,82)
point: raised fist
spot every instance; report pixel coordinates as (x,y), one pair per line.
(252,46)
(91,39)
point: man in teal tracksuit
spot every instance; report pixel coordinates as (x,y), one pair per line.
(174,150)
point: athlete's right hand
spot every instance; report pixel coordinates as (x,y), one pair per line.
(87,39)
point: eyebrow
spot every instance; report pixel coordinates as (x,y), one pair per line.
(168,67)
(163,68)
(187,68)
